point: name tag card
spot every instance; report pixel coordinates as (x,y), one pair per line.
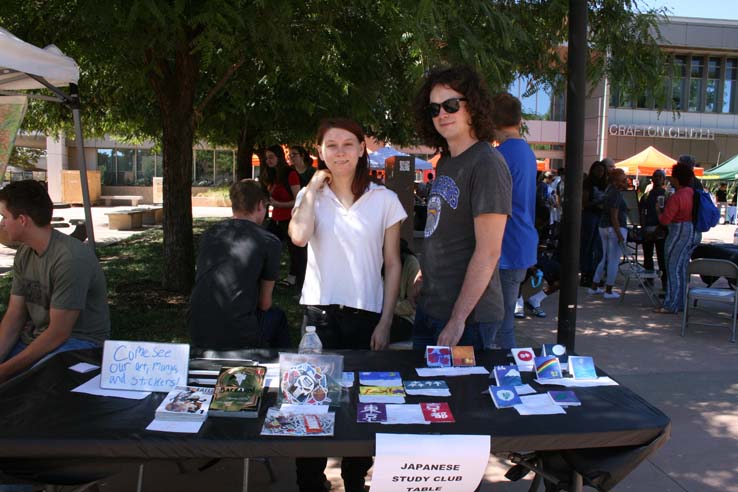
(424,463)
(144,366)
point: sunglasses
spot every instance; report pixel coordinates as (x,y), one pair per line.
(449,105)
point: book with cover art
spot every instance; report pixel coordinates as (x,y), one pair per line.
(582,367)
(504,396)
(310,379)
(438,356)
(507,375)
(555,349)
(548,367)
(238,392)
(185,403)
(277,423)
(565,398)
(463,356)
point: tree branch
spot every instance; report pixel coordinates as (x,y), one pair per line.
(218,86)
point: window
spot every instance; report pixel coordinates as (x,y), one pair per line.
(124,167)
(731,66)
(713,85)
(678,80)
(695,83)
(145,167)
(106,165)
(536,100)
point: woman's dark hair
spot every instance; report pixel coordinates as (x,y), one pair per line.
(277,174)
(683,174)
(361,175)
(591,180)
(306,159)
(615,175)
(466,81)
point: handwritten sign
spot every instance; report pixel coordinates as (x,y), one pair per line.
(423,463)
(144,366)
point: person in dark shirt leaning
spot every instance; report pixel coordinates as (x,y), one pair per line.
(237,266)
(653,233)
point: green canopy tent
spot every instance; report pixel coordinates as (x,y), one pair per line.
(727,171)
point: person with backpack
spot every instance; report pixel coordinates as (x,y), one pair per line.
(681,239)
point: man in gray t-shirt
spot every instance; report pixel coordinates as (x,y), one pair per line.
(467,211)
(58,300)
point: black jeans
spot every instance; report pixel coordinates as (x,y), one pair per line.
(338,327)
(650,240)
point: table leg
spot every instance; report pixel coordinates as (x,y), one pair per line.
(245,485)
(139,485)
(575,484)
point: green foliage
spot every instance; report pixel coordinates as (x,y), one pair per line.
(25,157)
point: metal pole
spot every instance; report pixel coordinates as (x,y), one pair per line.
(75,105)
(572,216)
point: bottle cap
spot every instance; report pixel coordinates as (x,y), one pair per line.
(309,329)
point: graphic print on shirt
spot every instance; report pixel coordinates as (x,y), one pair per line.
(446,188)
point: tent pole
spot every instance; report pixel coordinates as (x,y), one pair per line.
(572,216)
(75,105)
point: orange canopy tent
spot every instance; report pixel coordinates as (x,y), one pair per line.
(649,160)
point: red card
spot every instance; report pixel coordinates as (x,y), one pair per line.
(312,424)
(437,412)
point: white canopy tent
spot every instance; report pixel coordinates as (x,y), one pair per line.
(24,67)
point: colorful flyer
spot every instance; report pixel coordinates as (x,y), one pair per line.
(548,367)
(463,356)
(504,396)
(438,356)
(437,413)
(582,367)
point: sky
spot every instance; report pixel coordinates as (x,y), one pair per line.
(713,9)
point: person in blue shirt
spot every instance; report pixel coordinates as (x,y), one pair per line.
(520,240)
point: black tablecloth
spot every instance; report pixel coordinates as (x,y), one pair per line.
(43,420)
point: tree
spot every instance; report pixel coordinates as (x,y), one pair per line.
(249,73)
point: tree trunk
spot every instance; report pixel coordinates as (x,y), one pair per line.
(175,87)
(243,155)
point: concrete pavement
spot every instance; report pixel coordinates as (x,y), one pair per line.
(693,379)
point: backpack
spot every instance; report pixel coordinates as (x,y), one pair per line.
(707,214)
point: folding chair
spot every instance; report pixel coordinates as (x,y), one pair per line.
(630,268)
(710,268)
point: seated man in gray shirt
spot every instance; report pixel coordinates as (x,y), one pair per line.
(58,300)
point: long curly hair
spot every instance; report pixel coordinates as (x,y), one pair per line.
(361,175)
(466,81)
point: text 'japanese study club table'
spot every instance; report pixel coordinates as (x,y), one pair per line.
(47,426)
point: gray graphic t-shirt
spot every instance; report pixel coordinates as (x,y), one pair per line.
(473,183)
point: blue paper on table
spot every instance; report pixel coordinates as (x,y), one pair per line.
(507,375)
(504,396)
(392,378)
(555,349)
(582,367)
(548,367)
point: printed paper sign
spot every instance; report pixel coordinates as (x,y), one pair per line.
(411,462)
(144,366)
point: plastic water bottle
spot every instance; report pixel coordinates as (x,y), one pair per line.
(310,343)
